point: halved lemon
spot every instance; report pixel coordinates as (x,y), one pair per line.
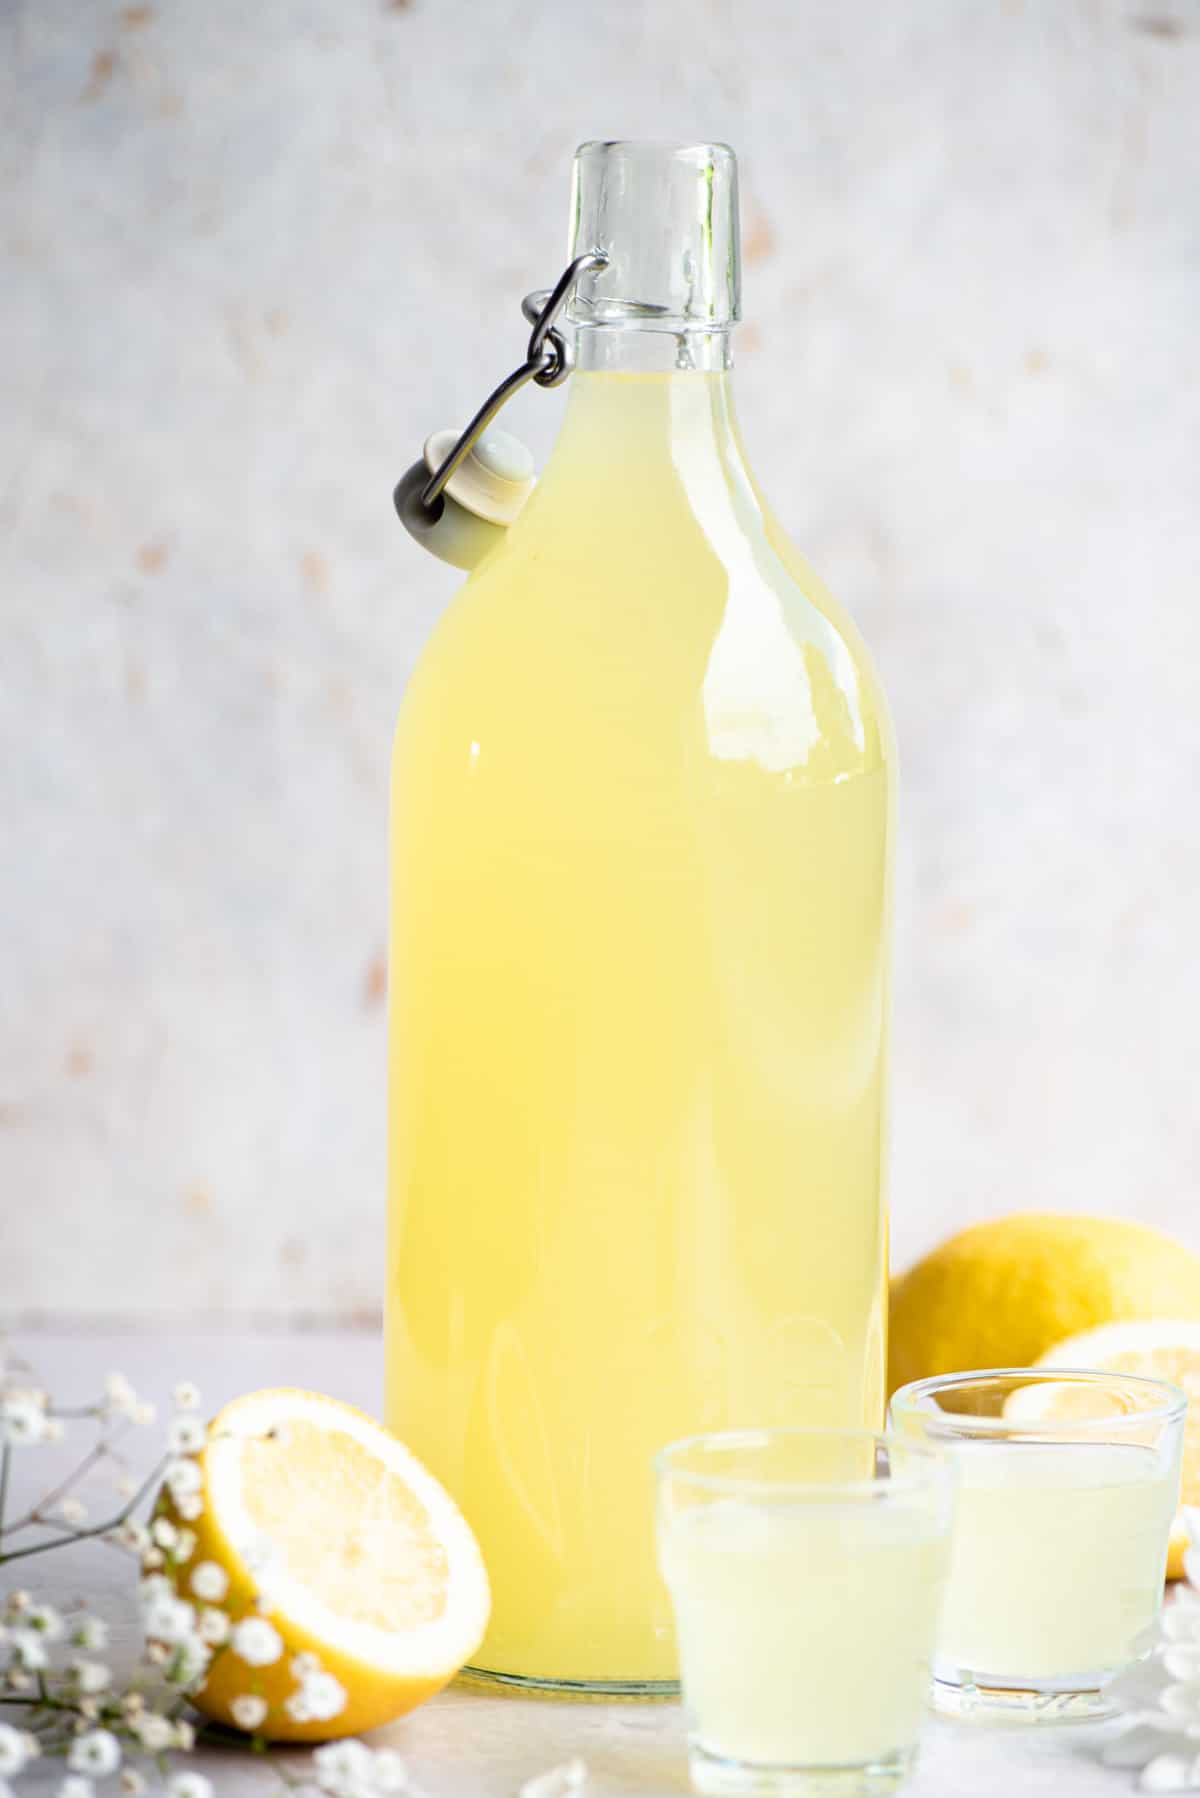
(1162,1350)
(330,1532)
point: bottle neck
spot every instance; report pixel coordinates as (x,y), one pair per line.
(632,407)
(623,349)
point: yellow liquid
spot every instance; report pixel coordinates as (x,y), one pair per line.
(806,1633)
(641,820)
(1058,1561)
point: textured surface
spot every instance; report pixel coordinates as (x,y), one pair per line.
(466,1744)
(250,255)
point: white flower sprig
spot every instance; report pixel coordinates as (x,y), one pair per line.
(1159,1696)
(70,1699)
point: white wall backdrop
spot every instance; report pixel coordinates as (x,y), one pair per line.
(251,254)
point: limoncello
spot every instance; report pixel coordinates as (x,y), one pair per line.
(806,1630)
(641,830)
(1058,1559)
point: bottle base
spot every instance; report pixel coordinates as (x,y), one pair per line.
(522,1685)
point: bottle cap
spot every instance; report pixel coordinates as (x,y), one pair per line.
(494,478)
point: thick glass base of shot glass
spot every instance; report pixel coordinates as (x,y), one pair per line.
(724,1778)
(991,1698)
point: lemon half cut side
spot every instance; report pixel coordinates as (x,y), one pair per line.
(330,1529)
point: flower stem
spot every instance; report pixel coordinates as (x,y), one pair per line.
(5,1462)
(97,1529)
(37,1514)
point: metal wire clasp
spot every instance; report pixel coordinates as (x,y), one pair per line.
(548,360)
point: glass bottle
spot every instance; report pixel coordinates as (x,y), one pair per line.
(642,814)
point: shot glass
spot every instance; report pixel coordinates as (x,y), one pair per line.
(1068,1482)
(806,1570)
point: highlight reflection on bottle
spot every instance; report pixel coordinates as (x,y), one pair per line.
(642,797)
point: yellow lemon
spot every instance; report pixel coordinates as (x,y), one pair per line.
(1001,1293)
(351,1582)
(1162,1349)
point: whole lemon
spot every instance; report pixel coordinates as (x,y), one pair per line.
(999,1294)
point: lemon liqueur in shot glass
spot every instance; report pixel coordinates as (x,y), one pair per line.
(1068,1484)
(806,1570)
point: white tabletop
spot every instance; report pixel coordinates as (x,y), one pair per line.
(466,1743)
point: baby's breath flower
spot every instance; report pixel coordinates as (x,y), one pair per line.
(90,1676)
(153,1558)
(186,1435)
(71,1510)
(157,1653)
(97,1754)
(163,1531)
(248,1711)
(132,1782)
(189,1785)
(22,1419)
(90,1633)
(75,1786)
(319,1697)
(209,1581)
(125,1485)
(185,1547)
(87,1710)
(185,1736)
(132,1704)
(155,1733)
(13,1750)
(388,1772)
(119,1395)
(155,1585)
(190,1506)
(132,1535)
(144,1412)
(183,1478)
(256,1642)
(168,1619)
(186,1396)
(17,1602)
(304,1663)
(189,1663)
(45,1619)
(212,1627)
(29,1652)
(343,1767)
(53,1430)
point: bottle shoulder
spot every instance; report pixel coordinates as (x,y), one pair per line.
(645,611)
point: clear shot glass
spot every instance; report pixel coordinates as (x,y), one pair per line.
(806,1570)
(1068,1483)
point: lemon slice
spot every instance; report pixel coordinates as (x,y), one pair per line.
(1162,1350)
(358,1560)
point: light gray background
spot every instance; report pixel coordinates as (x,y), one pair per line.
(251,253)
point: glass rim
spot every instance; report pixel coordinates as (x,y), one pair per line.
(906,1401)
(932,1467)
